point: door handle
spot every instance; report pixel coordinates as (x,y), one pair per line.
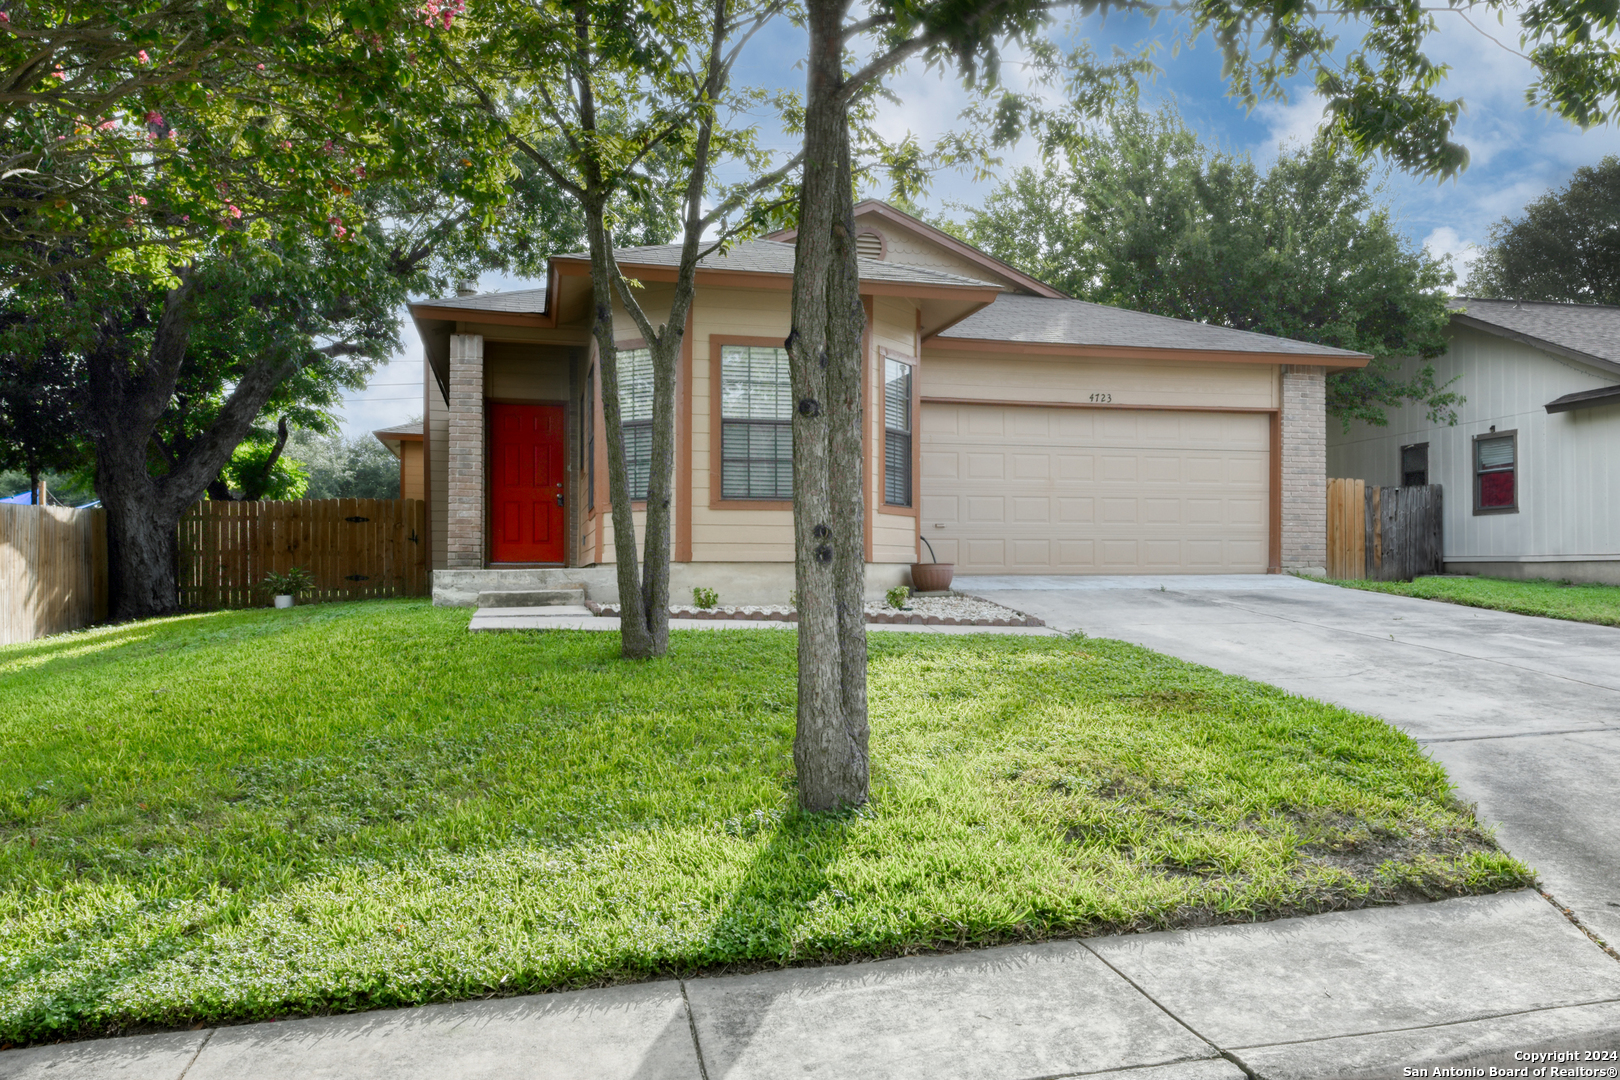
(559,498)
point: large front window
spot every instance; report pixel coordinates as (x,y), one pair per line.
(896,433)
(635,416)
(756,423)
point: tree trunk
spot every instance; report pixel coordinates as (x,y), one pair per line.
(143,554)
(635,642)
(830,745)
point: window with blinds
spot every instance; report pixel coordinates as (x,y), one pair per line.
(635,416)
(756,423)
(896,432)
(1495,469)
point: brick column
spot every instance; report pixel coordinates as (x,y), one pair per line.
(1304,468)
(464,523)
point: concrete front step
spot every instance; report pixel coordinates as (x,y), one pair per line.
(563,595)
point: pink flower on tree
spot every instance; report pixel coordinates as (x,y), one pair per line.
(443,12)
(143,57)
(233,211)
(154,117)
(4,18)
(286,144)
(58,74)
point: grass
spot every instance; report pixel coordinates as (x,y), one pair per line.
(1552,599)
(252,814)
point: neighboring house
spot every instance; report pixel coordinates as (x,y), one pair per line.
(1016,430)
(1531,471)
(405,443)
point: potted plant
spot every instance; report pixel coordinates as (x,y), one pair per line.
(285,587)
(931,576)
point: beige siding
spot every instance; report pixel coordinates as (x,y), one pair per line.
(520,372)
(904,246)
(743,534)
(410,469)
(1027,489)
(989,377)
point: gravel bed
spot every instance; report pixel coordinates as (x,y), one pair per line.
(952,610)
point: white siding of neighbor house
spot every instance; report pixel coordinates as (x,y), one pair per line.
(1568,463)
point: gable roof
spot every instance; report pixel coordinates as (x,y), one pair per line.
(960,248)
(770,257)
(1039,320)
(1589,333)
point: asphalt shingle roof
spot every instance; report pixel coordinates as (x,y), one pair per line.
(518,301)
(1590,329)
(774,257)
(1039,320)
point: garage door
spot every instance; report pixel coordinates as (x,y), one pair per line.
(1026,489)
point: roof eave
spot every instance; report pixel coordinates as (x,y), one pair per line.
(1334,362)
(1464,319)
(1585,399)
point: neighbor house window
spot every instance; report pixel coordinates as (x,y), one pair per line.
(756,423)
(896,433)
(1495,472)
(635,416)
(1415,465)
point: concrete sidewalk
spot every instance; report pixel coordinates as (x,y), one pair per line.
(1467,982)
(486,620)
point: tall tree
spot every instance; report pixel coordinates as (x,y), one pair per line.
(1565,246)
(1383,98)
(1136,213)
(614,101)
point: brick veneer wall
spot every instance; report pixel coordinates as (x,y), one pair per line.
(464,491)
(1304,468)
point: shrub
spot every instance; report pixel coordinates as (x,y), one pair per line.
(293,582)
(705,598)
(898,596)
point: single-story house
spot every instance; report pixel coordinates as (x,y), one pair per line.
(1531,470)
(1012,428)
(404,441)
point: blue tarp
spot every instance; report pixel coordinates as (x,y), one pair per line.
(26,498)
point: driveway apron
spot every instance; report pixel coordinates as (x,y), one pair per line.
(1523,712)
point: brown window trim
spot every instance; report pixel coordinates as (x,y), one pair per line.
(1473,468)
(914,509)
(716,466)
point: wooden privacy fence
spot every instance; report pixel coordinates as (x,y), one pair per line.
(357,549)
(1383,533)
(53,570)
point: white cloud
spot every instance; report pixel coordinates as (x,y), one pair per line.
(1444,242)
(1291,123)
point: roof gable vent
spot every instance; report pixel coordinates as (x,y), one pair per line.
(869,245)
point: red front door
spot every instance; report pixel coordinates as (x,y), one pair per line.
(526,483)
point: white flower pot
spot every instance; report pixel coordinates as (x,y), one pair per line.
(284,601)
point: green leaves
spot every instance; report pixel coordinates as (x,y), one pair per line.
(1138,214)
(1566,245)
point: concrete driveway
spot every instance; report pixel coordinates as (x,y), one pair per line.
(1523,712)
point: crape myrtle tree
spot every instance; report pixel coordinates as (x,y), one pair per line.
(1383,95)
(626,107)
(1136,213)
(1565,246)
(185,192)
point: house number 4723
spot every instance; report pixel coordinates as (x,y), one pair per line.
(1102,399)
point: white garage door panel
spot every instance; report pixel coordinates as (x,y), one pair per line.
(1029,489)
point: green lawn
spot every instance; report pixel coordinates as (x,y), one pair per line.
(252,814)
(1553,599)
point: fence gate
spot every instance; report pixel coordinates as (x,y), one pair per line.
(357,549)
(1383,533)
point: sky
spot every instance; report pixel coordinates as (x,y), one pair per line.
(1516,152)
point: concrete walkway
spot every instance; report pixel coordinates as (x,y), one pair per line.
(572,618)
(1523,712)
(1474,982)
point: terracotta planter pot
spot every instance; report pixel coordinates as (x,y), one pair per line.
(931,576)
